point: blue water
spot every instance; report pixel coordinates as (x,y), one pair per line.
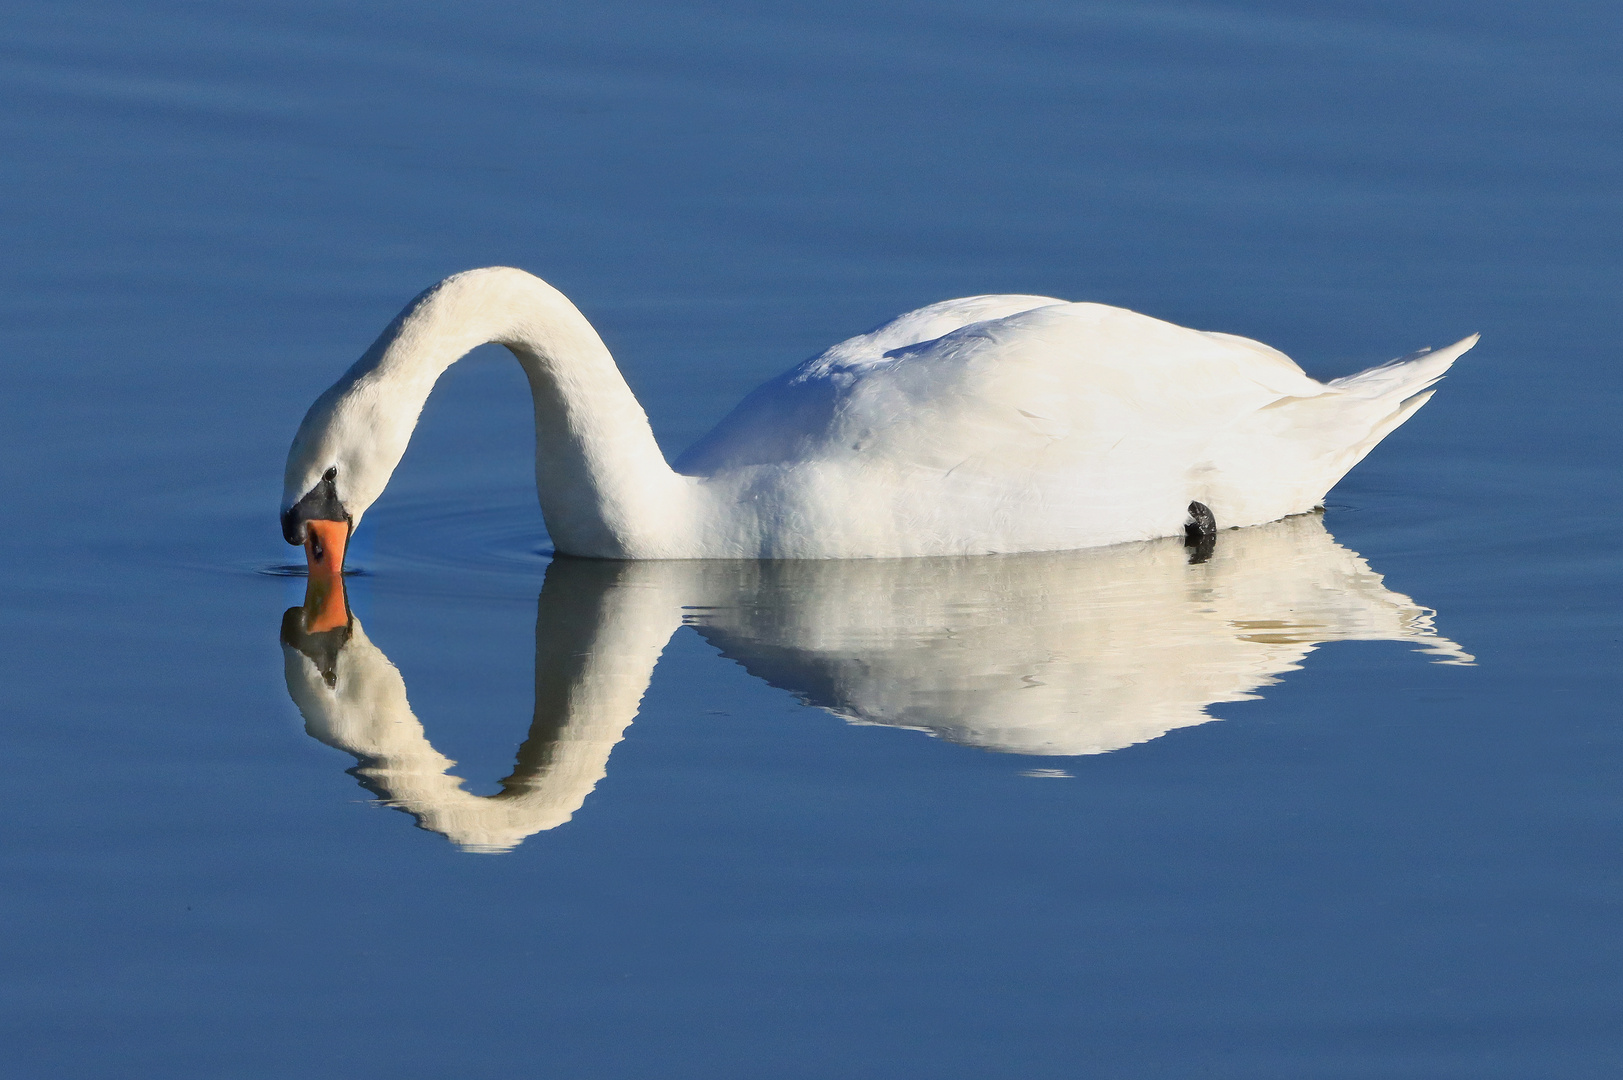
(1377,865)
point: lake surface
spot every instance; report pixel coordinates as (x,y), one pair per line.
(1344,800)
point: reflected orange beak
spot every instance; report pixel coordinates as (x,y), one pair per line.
(325,605)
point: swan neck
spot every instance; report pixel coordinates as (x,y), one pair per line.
(604,485)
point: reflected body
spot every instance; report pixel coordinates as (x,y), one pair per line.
(1064,653)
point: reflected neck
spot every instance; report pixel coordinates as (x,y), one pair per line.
(604,485)
(600,629)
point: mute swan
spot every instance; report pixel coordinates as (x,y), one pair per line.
(1059,653)
(980,425)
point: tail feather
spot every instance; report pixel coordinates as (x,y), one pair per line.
(1408,375)
(1390,423)
(1283,459)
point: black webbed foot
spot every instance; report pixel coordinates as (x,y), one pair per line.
(1200,533)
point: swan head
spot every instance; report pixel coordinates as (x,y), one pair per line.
(341,459)
(320,501)
(319,522)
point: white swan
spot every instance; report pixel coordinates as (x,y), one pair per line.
(987,424)
(1062,653)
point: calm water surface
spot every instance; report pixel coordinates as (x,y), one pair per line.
(1344,800)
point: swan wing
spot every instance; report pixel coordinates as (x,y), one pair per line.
(988,374)
(1053,388)
(784,419)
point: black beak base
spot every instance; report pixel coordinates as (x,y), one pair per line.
(320,503)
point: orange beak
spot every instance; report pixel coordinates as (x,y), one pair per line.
(325,606)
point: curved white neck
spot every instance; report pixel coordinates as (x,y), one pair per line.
(604,485)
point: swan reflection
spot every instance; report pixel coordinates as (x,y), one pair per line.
(1069,653)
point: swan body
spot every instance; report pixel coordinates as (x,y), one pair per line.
(980,425)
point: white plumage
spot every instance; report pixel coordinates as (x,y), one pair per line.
(987,424)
